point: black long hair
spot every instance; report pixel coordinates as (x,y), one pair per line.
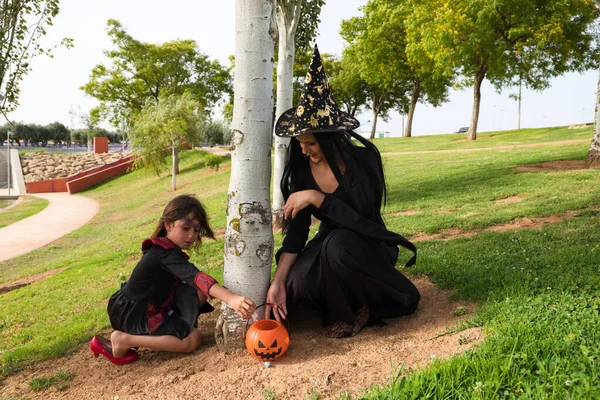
(363,178)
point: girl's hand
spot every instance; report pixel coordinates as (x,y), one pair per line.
(300,200)
(276,298)
(243,305)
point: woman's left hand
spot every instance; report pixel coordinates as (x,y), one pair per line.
(300,200)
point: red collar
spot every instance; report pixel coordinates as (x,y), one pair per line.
(161,242)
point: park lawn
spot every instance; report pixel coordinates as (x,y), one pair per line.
(484,139)
(27,207)
(537,289)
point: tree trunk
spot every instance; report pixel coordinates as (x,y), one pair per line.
(416,92)
(174,159)
(377,104)
(519,99)
(287,22)
(248,236)
(374,124)
(593,157)
(479,75)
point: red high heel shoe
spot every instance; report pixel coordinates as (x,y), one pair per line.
(100,345)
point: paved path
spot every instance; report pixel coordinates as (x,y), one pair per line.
(65,213)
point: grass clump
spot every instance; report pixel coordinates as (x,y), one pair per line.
(213,161)
(59,381)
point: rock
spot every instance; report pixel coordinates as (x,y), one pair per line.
(42,166)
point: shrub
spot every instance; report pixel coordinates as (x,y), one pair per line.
(213,161)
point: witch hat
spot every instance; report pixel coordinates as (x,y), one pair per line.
(317,111)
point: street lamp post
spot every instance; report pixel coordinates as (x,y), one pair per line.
(8,133)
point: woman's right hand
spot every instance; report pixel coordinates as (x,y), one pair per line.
(276,300)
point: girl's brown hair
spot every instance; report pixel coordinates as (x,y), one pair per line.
(184,206)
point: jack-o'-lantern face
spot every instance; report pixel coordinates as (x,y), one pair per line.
(267,340)
(267,353)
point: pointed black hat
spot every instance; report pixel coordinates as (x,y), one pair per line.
(317,111)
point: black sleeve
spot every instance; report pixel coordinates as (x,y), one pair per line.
(297,233)
(175,263)
(298,228)
(344,216)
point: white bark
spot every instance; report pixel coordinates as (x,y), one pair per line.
(173,166)
(248,236)
(288,15)
(593,157)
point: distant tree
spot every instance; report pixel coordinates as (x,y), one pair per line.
(215,133)
(44,134)
(593,156)
(383,96)
(90,120)
(22,24)
(348,88)
(378,41)
(505,41)
(163,126)
(59,133)
(143,73)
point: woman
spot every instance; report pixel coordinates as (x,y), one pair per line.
(348,269)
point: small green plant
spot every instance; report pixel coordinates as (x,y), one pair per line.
(61,380)
(314,395)
(269,395)
(460,310)
(213,161)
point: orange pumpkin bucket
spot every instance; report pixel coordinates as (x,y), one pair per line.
(267,339)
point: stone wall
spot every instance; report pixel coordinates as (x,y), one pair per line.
(44,166)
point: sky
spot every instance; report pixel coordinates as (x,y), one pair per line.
(51,90)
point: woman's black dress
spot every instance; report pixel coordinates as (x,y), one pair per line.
(349,263)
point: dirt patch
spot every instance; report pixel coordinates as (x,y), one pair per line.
(313,362)
(532,223)
(28,280)
(511,199)
(560,165)
(406,213)
(518,224)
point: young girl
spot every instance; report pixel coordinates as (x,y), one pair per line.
(159,305)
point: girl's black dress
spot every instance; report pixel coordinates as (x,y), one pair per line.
(160,297)
(349,263)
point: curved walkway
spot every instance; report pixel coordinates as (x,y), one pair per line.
(65,213)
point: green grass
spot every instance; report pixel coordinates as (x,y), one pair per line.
(538,290)
(27,207)
(60,381)
(484,139)
(539,296)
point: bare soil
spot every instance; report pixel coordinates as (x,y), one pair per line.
(312,364)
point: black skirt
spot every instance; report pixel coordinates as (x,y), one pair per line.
(129,316)
(343,271)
